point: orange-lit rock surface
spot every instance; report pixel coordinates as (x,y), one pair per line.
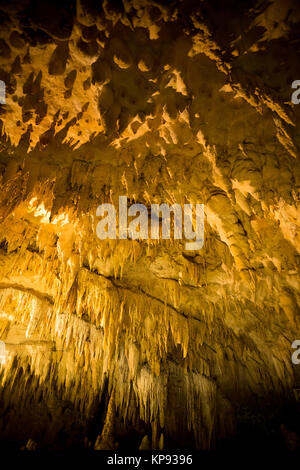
(156,346)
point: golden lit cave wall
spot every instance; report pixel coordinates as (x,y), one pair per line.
(130,102)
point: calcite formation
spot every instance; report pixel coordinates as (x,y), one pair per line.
(140,343)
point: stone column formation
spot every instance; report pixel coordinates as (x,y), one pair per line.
(140,343)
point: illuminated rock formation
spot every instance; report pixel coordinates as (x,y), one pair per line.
(141,343)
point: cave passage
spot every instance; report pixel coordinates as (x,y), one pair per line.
(121,116)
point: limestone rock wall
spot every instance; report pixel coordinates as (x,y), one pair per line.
(180,102)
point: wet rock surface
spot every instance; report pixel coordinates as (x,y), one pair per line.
(119,343)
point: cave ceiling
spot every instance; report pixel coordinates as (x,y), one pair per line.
(163,102)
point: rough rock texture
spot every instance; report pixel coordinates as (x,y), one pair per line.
(143,341)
